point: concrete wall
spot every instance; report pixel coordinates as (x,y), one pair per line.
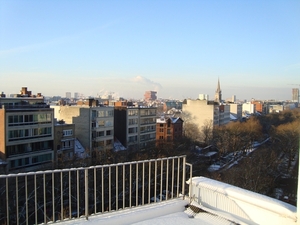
(198,111)
(81,117)
(236,110)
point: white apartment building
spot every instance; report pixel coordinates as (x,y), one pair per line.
(201,111)
(94,125)
(236,110)
(248,109)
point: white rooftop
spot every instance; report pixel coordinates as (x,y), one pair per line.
(167,212)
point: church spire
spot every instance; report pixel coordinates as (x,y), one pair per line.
(218,94)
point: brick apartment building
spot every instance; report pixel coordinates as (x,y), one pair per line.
(150,95)
(168,129)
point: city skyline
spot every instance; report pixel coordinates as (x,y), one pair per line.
(178,49)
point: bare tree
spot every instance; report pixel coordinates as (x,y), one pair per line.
(206,132)
(285,137)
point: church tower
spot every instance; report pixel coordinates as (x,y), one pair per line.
(218,94)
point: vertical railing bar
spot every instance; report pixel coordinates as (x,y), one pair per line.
(70,200)
(136,184)
(164,174)
(7,201)
(53,199)
(161,178)
(61,197)
(155,179)
(44,188)
(109,188)
(95,191)
(143,188)
(102,186)
(149,183)
(178,168)
(123,186)
(183,177)
(172,188)
(130,184)
(117,190)
(26,197)
(78,188)
(86,190)
(17,200)
(167,180)
(35,199)
(191,177)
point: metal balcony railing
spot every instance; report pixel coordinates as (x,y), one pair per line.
(66,194)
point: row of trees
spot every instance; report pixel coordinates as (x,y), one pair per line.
(259,170)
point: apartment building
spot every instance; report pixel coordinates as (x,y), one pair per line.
(64,141)
(248,109)
(201,111)
(135,126)
(172,105)
(259,106)
(168,129)
(295,94)
(236,110)
(150,95)
(26,132)
(94,124)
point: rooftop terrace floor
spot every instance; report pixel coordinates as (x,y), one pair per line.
(167,212)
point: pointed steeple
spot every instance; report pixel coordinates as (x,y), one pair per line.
(218,94)
(218,88)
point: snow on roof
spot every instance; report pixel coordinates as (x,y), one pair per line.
(164,120)
(232,117)
(210,154)
(118,145)
(263,201)
(79,149)
(166,212)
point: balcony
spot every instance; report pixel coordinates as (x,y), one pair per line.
(68,194)
(142,192)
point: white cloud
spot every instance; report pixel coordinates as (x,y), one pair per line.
(144,81)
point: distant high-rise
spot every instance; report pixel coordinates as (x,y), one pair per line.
(233,98)
(150,95)
(203,97)
(76,95)
(68,94)
(218,94)
(295,95)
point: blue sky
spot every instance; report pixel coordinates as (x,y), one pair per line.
(178,48)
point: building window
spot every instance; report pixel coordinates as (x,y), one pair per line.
(133,121)
(68,132)
(108,132)
(100,134)
(132,112)
(161,130)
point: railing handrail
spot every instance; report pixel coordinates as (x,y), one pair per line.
(52,193)
(88,167)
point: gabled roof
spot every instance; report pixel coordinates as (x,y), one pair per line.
(172,119)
